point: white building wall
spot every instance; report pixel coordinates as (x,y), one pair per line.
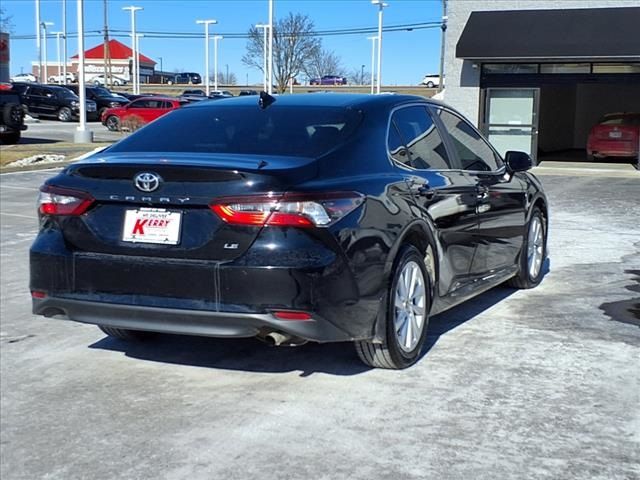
(463,80)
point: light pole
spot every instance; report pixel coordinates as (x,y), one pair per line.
(58,34)
(444,30)
(381,6)
(38,41)
(134,53)
(64,35)
(138,36)
(270,75)
(44,50)
(206,24)
(264,28)
(82,135)
(215,61)
(373,59)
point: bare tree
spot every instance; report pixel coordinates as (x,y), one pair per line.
(6,24)
(359,76)
(226,79)
(293,47)
(324,62)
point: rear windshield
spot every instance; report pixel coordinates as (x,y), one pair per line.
(627,119)
(288,131)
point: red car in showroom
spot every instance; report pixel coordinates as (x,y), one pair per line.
(615,135)
(139,112)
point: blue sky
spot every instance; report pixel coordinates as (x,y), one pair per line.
(407,55)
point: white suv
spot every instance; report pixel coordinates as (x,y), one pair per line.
(432,81)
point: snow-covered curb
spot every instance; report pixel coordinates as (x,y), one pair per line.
(49,158)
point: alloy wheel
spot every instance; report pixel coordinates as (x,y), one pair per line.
(409,306)
(535,247)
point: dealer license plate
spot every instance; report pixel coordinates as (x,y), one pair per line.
(152,225)
(615,134)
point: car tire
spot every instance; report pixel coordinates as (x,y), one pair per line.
(113,123)
(430,84)
(409,273)
(533,253)
(590,158)
(123,334)
(64,114)
(10,138)
(12,114)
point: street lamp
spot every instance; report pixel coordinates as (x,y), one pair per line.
(381,5)
(58,35)
(82,135)
(206,24)
(44,26)
(373,59)
(38,41)
(134,53)
(264,28)
(215,61)
(64,35)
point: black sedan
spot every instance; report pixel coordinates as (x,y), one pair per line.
(312,217)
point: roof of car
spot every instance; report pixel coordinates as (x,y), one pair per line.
(322,99)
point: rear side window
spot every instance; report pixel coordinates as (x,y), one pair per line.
(419,134)
(621,120)
(473,151)
(289,131)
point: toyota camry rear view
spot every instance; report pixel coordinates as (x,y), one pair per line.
(312,217)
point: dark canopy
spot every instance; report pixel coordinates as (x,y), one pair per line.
(611,34)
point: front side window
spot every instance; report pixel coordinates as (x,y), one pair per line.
(420,135)
(473,151)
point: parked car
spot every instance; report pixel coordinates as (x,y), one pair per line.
(191,96)
(24,77)
(11,115)
(329,80)
(615,135)
(186,77)
(71,78)
(220,94)
(243,93)
(102,96)
(432,80)
(311,217)
(100,80)
(142,110)
(54,101)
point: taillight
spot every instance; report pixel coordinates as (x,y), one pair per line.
(289,210)
(63,201)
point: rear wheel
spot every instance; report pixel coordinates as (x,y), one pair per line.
(123,334)
(113,123)
(430,84)
(407,316)
(533,254)
(10,138)
(64,114)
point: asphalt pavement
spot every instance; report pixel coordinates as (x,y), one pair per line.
(536,384)
(51,131)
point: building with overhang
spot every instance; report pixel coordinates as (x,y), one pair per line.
(536,75)
(119,58)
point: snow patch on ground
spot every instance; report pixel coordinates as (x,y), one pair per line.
(40,159)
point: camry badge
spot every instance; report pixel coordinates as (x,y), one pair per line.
(146,181)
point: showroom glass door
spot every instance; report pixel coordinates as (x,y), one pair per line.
(511,119)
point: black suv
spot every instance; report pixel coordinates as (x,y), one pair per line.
(186,77)
(54,101)
(102,96)
(11,117)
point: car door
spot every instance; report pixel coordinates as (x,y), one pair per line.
(444,196)
(137,108)
(501,196)
(34,99)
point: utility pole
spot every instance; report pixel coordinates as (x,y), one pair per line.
(58,34)
(264,55)
(107,53)
(381,5)
(373,60)
(206,24)
(270,74)
(215,61)
(38,40)
(64,45)
(134,53)
(443,26)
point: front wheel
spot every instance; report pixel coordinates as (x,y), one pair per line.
(533,253)
(407,316)
(64,114)
(113,123)
(430,84)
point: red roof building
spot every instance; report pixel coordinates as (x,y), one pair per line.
(117,51)
(120,57)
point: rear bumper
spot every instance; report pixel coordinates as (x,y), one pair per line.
(186,322)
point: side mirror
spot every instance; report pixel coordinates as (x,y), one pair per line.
(518,161)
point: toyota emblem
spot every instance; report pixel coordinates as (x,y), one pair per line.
(146,181)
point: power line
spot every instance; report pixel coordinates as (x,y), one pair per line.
(194,35)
